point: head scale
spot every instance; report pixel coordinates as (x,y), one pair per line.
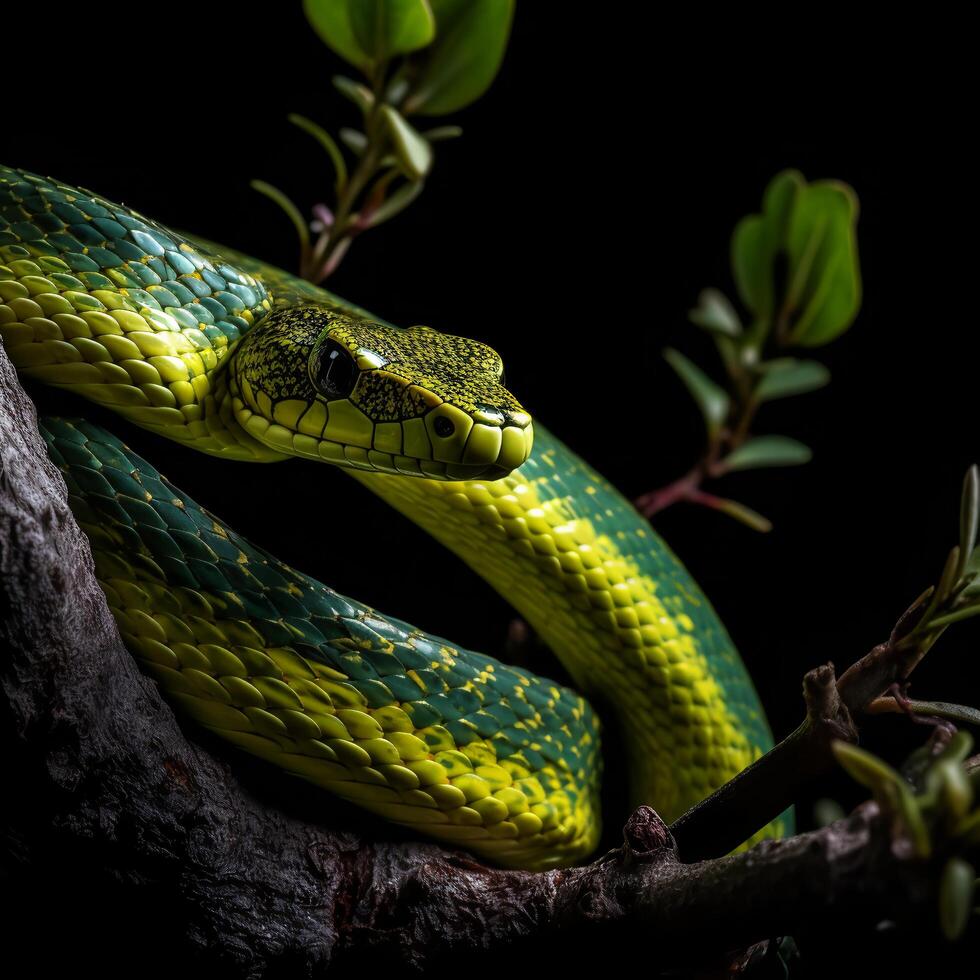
(315,382)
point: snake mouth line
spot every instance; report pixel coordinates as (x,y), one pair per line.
(515,445)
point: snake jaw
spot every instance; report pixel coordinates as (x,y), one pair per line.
(488,452)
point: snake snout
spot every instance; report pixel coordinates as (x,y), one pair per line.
(483,442)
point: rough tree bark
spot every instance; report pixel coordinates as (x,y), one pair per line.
(122,829)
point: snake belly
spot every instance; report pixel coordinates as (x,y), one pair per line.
(97,299)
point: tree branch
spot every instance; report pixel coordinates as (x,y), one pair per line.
(762,791)
(120,824)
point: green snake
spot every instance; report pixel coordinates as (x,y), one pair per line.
(232,357)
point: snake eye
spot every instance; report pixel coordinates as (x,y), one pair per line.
(334,372)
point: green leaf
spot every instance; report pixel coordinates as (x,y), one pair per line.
(396,203)
(397,89)
(788,376)
(369,32)
(292,212)
(384,28)
(715,313)
(742,514)
(956,887)
(412,149)
(359,94)
(955,787)
(768,451)
(973,566)
(796,263)
(441,133)
(900,798)
(957,748)
(890,790)
(966,612)
(865,768)
(712,400)
(758,239)
(331,20)
(458,67)
(354,140)
(328,143)
(946,580)
(969,517)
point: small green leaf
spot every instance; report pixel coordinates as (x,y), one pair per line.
(956,616)
(946,582)
(354,140)
(331,20)
(796,263)
(742,514)
(788,376)
(384,28)
(758,239)
(969,517)
(397,89)
(441,133)
(956,897)
(865,768)
(359,94)
(292,212)
(328,143)
(413,151)
(397,202)
(958,747)
(768,451)
(890,790)
(369,32)
(907,811)
(971,573)
(712,400)
(458,67)
(715,313)
(955,788)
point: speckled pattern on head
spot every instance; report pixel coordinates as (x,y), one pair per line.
(98,300)
(417,402)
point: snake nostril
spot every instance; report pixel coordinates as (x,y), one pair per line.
(444,427)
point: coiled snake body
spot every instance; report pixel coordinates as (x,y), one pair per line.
(237,359)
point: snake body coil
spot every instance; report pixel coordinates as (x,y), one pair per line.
(238,359)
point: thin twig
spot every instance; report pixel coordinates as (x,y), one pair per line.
(772,783)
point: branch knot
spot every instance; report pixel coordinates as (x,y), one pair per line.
(645,835)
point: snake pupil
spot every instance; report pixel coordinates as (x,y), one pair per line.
(336,372)
(444,427)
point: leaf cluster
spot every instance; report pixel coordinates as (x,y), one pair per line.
(416,58)
(795,267)
(932,816)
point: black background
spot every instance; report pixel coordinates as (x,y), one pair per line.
(590,199)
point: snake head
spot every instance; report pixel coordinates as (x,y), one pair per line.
(311,381)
